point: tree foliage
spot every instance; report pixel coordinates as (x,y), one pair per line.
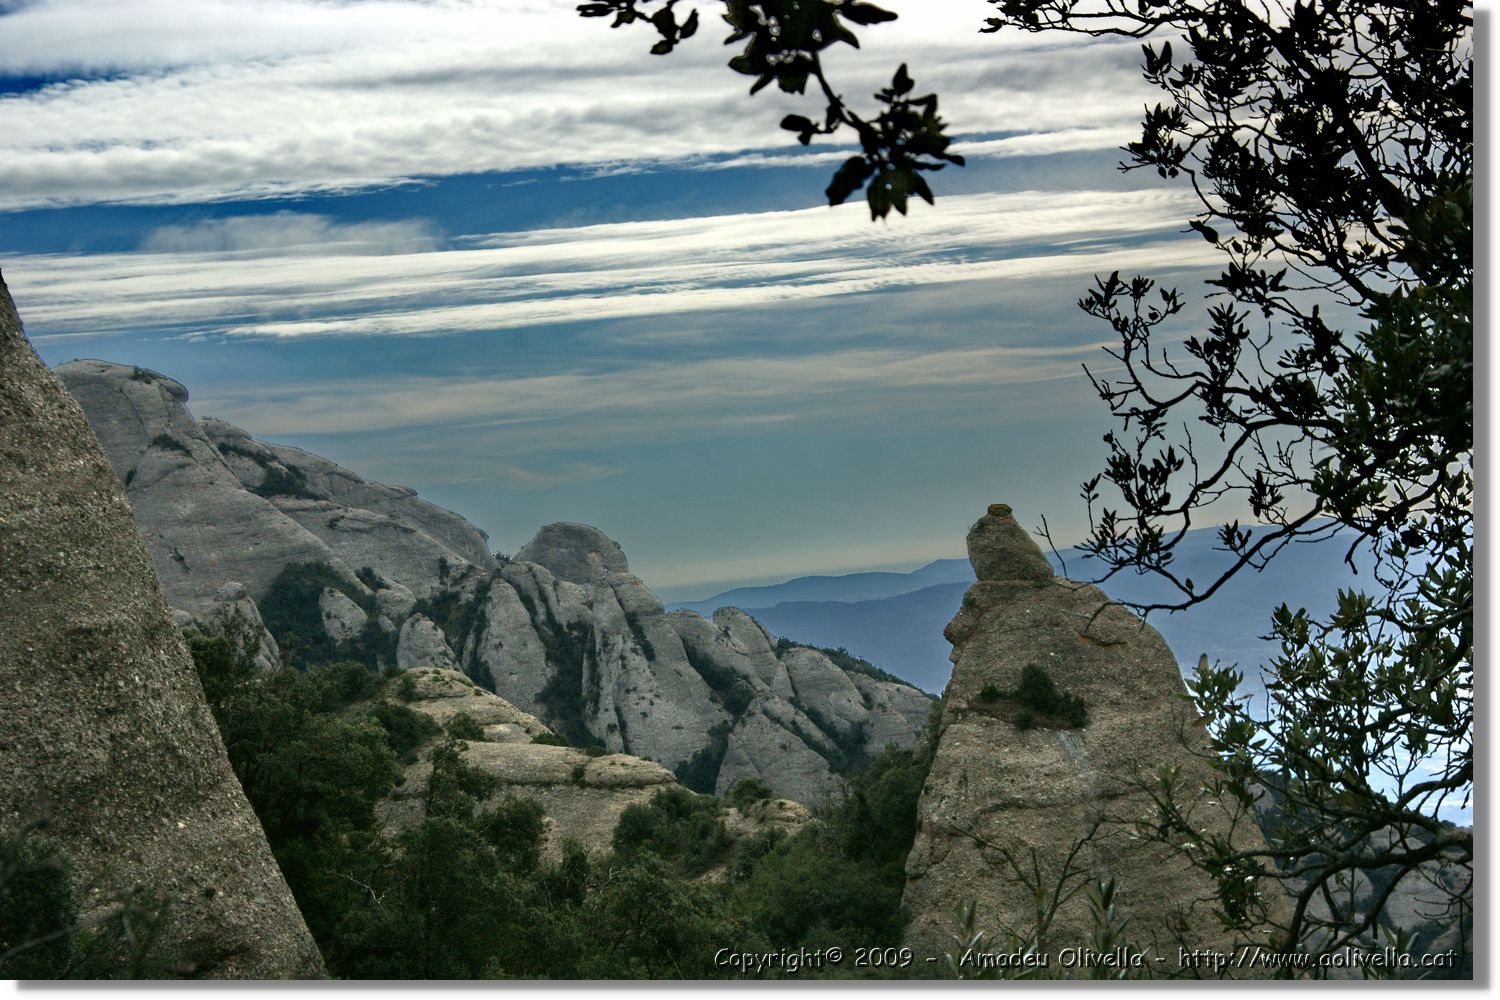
(784,42)
(1329,392)
(466,892)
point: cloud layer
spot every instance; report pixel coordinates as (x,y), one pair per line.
(225,99)
(251,277)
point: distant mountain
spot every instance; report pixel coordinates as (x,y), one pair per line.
(850,587)
(902,629)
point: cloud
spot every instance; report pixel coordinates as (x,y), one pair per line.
(291,232)
(422,465)
(229,99)
(589,274)
(722,392)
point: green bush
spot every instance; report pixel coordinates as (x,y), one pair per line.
(550,740)
(1048,706)
(405,730)
(747,791)
(167,442)
(464,726)
(678,826)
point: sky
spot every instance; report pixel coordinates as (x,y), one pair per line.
(499,253)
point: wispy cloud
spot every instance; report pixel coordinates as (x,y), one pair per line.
(292,232)
(584,274)
(228,99)
(722,392)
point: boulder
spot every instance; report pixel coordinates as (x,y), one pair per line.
(107,736)
(343,620)
(577,553)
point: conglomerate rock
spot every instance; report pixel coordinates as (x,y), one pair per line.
(106,734)
(1009,797)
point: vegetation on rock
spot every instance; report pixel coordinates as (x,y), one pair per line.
(465,892)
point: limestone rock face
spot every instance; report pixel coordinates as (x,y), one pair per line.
(650,699)
(338,485)
(581,796)
(422,644)
(577,553)
(995,785)
(106,731)
(562,631)
(201,527)
(381,542)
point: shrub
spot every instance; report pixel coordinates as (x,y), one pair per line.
(676,826)
(990,693)
(167,442)
(405,729)
(747,791)
(464,726)
(282,481)
(1048,706)
(547,739)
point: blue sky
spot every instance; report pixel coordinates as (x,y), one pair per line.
(500,254)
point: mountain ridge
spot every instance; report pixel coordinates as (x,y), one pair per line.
(327,566)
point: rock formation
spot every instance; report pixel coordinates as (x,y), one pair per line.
(106,735)
(582,795)
(340,567)
(1016,781)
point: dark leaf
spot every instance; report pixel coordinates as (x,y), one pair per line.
(866,13)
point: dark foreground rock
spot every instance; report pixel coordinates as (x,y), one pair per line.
(106,734)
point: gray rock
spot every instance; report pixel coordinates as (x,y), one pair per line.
(651,702)
(997,787)
(577,553)
(760,747)
(332,482)
(422,644)
(509,647)
(749,641)
(898,712)
(394,600)
(343,620)
(385,544)
(581,797)
(1000,549)
(237,616)
(202,529)
(824,691)
(106,732)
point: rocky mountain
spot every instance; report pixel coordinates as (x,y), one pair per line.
(329,566)
(108,744)
(1062,709)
